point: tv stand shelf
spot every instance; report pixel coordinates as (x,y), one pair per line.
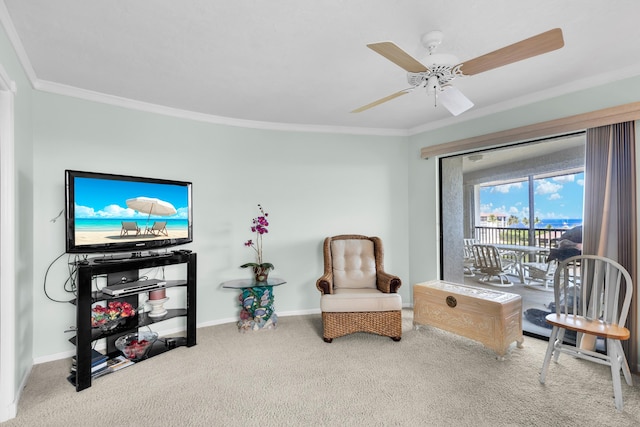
(86,335)
(99,296)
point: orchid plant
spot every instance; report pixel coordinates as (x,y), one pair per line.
(259,226)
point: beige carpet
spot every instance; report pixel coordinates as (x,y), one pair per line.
(290,377)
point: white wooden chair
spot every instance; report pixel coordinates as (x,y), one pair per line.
(490,263)
(592,297)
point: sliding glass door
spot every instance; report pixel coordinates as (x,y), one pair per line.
(524,197)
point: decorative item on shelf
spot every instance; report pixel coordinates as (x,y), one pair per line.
(259,226)
(111,316)
(156,301)
(136,346)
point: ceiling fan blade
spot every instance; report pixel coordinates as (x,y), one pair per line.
(533,46)
(398,56)
(380,101)
(454,101)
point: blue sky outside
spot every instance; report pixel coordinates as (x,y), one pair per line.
(103,198)
(555,198)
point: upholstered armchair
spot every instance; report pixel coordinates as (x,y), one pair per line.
(357,294)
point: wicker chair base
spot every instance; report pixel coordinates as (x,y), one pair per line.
(385,323)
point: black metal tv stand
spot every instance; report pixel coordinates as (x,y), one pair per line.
(128,257)
(115,270)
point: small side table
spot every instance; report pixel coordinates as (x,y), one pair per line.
(256,302)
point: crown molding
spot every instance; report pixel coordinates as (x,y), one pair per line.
(60,89)
(71,91)
(66,90)
(14,39)
(578,122)
(88,95)
(549,93)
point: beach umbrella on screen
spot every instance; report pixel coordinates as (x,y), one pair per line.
(151,206)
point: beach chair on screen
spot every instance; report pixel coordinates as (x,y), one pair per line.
(158,228)
(129,228)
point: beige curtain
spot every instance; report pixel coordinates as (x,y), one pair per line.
(609,227)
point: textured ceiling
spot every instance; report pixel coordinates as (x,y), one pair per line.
(305,63)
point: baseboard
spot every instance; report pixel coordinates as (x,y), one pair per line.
(8,412)
(54,357)
(11,410)
(102,345)
(298,312)
(279,313)
(217,322)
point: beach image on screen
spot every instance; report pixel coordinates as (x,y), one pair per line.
(111,211)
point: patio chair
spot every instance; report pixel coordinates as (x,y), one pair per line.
(469,262)
(596,308)
(490,262)
(540,272)
(511,261)
(158,228)
(357,294)
(129,227)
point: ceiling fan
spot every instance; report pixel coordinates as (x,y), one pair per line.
(442,69)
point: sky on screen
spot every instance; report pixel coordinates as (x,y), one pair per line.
(105,198)
(554,198)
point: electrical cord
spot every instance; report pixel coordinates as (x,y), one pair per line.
(95,281)
(44,285)
(71,280)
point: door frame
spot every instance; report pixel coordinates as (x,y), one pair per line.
(8,391)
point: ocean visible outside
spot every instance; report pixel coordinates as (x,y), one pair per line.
(557,202)
(559,223)
(104,224)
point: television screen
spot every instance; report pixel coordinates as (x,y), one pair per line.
(117,213)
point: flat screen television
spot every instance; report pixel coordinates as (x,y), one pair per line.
(118,213)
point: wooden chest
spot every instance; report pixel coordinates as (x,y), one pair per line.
(491,317)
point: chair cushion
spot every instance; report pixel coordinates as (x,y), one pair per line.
(354,264)
(359,300)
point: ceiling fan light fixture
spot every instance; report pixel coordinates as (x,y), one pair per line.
(454,101)
(432,85)
(441,69)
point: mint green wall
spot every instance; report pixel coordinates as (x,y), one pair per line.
(313,185)
(299,177)
(23,211)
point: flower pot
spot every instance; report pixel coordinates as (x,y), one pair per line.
(261,274)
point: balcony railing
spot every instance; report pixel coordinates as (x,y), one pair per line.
(542,237)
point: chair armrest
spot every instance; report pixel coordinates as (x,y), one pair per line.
(388,283)
(325,283)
